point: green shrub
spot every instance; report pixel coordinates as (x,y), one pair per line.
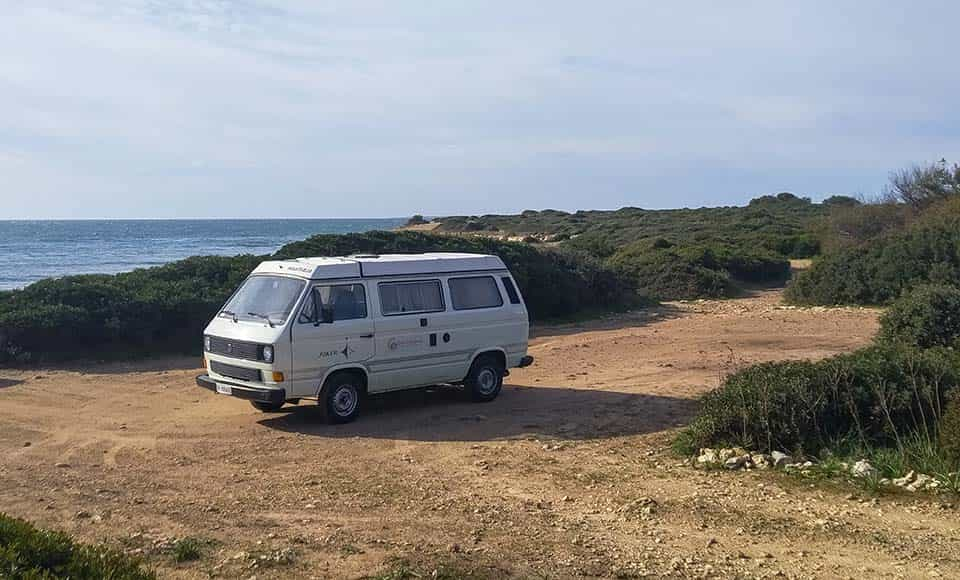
(925,317)
(164,309)
(928,252)
(29,553)
(161,309)
(876,396)
(950,432)
(781,224)
(666,271)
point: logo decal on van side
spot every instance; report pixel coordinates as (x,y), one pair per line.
(405,343)
(346,352)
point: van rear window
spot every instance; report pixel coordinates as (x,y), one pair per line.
(410,297)
(474,292)
(511,290)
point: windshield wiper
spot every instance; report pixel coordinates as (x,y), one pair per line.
(262,317)
(230,313)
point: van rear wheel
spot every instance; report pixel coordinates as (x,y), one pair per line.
(485,379)
(341,397)
(266,407)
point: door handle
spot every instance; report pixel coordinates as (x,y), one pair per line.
(366,335)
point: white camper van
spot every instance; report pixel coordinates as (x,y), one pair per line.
(335,329)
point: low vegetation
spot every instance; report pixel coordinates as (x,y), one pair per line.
(879,396)
(663,270)
(878,271)
(926,317)
(781,224)
(676,254)
(164,309)
(27,552)
(897,402)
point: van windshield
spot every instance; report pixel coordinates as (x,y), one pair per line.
(266,298)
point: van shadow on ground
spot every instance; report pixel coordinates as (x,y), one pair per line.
(447,414)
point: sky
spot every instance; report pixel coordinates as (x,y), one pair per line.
(305,108)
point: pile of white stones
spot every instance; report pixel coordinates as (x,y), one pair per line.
(735,458)
(739,458)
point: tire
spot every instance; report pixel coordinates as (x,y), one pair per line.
(266,407)
(485,379)
(341,397)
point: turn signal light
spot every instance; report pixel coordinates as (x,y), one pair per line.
(277,377)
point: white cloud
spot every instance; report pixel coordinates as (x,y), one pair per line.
(174,108)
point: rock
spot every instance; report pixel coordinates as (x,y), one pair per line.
(761,460)
(922,482)
(737,462)
(61,464)
(905,480)
(708,457)
(780,459)
(82,515)
(863,468)
(724,454)
(27,444)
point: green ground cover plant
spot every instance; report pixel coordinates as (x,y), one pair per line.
(880,396)
(27,552)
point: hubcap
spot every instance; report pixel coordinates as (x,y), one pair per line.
(344,400)
(487,381)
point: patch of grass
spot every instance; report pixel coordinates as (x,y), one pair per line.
(187,550)
(27,552)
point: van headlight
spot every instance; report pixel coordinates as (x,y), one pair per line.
(268,353)
(206,343)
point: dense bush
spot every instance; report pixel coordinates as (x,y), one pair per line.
(925,317)
(29,553)
(665,271)
(876,396)
(161,309)
(780,223)
(880,271)
(165,309)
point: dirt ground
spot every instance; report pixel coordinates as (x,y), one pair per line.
(567,474)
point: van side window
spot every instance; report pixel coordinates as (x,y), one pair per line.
(511,290)
(410,297)
(347,301)
(474,292)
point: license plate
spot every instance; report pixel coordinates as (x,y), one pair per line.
(224,389)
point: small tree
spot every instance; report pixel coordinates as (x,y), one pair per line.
(922,185)
(417,220)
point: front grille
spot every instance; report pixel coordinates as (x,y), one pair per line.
(235,348)
(235,372)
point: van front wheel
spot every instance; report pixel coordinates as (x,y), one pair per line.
(341,398)
(485,379)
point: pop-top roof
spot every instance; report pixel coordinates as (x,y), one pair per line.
(368,265)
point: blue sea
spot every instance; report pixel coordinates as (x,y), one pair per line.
(32,250)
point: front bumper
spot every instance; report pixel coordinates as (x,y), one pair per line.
(263,395)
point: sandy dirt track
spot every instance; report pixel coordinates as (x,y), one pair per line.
(567,474)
